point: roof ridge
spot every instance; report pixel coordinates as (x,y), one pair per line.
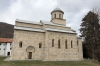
(51,23)
(28,29)
(26,21)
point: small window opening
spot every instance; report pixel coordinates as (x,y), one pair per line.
(20,44)
(71,45)
(77,42)
(59,43)
(54,15)
(66,43)
(40,45)
(60,16)
(52,42)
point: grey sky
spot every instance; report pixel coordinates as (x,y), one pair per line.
(36,10)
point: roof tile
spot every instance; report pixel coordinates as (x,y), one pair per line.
(6,39)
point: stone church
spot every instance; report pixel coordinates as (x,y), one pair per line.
(46,40)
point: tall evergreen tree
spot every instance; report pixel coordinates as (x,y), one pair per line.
(90,31)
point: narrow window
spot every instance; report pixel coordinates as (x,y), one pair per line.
(40,45)
(52,42)
(60,16)
(71,45)
(77,42)
(0,48)
(54,15)
(66,43)
(59,43)
(20,44)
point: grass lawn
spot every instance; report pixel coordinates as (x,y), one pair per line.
(48,63)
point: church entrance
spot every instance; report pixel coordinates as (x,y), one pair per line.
(30,55)
(30,52)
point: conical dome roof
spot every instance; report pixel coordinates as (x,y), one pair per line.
(57,9)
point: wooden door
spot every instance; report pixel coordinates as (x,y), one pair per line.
(30,55)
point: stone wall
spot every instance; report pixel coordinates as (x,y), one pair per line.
(80,48)
(59,21)
(47,52)
(28,39)
(61,54)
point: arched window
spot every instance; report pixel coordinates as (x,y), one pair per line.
(66,43)
(40,45)
(59,43)
(54,15)
(60,16)
(52,42)
(71,45)
(20,44)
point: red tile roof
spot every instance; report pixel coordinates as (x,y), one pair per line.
(6,39)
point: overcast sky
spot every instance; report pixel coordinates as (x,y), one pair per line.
(36,10)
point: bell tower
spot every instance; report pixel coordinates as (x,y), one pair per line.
(57,16)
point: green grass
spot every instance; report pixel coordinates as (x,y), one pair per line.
(48,63)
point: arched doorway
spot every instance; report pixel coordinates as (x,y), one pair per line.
(29,55)
(30,50)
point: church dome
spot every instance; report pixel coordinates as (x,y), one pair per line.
(57,10)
